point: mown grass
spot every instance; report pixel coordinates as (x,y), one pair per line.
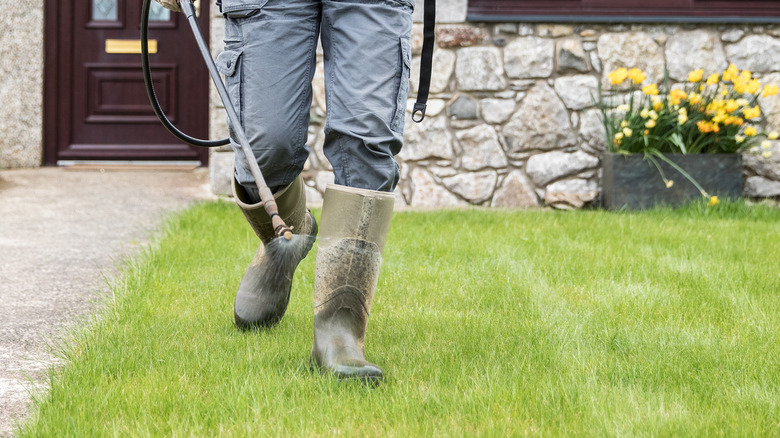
(489,323)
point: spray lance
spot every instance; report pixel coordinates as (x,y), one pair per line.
(267,198)
(280,228)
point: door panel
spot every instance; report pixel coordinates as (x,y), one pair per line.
(95,101)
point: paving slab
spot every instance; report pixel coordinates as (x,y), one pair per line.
(62,233)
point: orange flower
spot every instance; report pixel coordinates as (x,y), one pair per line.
(676,96)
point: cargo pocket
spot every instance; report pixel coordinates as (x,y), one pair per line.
(241,8)
(228,63)
(403,88)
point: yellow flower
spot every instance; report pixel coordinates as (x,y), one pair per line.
(773,135)
(623,124)
(731,73)
(650,90)
(618,76)
(751,113)
(731,106)
(743,102)
(739,138)
(724,92)
(694,98)
(624,108)
(695,76)
(619,136)
(766,144)
(767,154)
(650,124)
(752,87)
(713,201)
(636,75)
(627,132)
(713,79)
(669,183)
(750,131)
(769,90)
(682,118)
(653,115)
(715,106)
(645,113)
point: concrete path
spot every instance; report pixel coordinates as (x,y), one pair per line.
(61,233)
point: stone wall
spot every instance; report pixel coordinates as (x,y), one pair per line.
(511,120)
(21,86)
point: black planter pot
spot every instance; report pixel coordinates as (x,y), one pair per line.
(633,182)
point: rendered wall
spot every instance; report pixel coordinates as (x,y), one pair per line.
(21,83)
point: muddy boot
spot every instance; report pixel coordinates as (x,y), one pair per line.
(349,254)
(264,291)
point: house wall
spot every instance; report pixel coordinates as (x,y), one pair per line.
(510,119)
(21,83)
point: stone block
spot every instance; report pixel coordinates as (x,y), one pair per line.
(759,187)
(692,50)
(571,193)
(221,172)
(479,69)
(476,187)
(428,194)
(554,30)
(462,107)
(481,148)
(577,92)
(757,53)
(592,132)
(770,105)
(460,36)
(497,110)
(631,49)
(541,122)
(570,55)
(447,11)
(548,167)
(516,191)
(767,167)
(529,57)
(441,71)
(427,140)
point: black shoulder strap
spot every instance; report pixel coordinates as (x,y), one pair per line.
(426,60)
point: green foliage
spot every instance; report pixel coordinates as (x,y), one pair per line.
(487,323)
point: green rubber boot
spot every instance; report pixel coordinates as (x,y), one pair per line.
(349,254)
(264,291)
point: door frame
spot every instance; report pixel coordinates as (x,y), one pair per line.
(57,12)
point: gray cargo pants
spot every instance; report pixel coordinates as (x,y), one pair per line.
(269,62)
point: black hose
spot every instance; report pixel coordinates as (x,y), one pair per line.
(150,88)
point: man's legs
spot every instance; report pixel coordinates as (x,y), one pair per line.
(268,63)
(367,63)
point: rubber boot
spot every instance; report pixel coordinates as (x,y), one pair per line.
(264,291)
(349,254)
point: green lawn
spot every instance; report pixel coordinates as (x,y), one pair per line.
(490,323)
